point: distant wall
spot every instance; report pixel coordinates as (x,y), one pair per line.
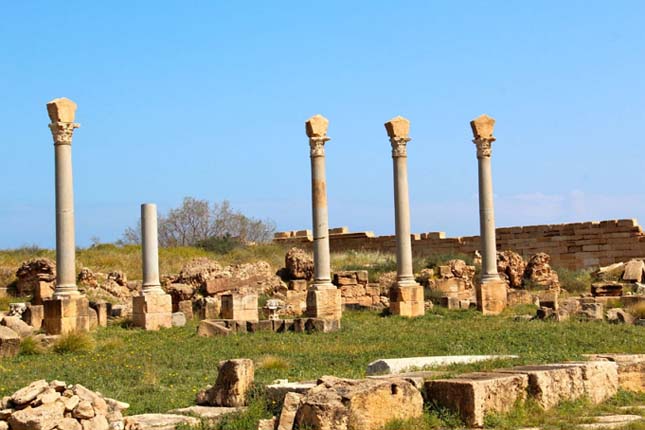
(574,246)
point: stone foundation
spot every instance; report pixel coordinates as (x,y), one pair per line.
(491,297)
(152,312)
(66,315)
(407,300)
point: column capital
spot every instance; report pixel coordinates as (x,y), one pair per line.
(316,129)
(398,129)
(482,128)
(62,132)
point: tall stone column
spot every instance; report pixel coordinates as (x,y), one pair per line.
(150,249)
(69,309)
(406,296)
(151,310)
(323,298)
(491,295)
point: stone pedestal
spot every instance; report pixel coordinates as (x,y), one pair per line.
(34,316)
(407,300)
(66,314)
(152,311)
(240,307)
(491,297)
(325,303)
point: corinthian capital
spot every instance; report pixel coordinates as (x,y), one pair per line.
(482,127)
(398,129)
(316,129)
(62,132)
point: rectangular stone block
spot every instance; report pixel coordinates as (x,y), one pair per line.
(407,301)
(103,309)
(152,312)
(450,302)
(324,303)
(34,316)
(631,369)
(473,395)
(186,306)
(66,315)
(491,297)
(240,307)
(282,326)
(321,325)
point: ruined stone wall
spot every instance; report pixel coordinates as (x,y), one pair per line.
(574,246)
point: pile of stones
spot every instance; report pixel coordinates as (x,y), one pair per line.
(58,406)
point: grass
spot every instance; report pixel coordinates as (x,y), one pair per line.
(159,371)
(74,343)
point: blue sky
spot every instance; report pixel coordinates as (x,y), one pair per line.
(208,99)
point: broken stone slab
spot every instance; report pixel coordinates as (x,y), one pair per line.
(634,271)
(631,369)
(415,378)
(159,421)
(607,289)
(290,406)
(208,328)
(366,404)
(400,365)
(211,414)
(473,395)
(18,325)
(611,422)
(276,391)
(234,380)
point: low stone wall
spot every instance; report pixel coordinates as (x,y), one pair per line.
(573,246)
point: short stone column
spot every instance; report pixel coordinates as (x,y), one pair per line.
(323,298)
(406,295)
(151,310)
(491,292)
(69,310)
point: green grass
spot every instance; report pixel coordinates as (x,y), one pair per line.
(159,371)
(574,281)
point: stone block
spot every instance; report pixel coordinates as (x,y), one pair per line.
(324,303)
(321,325)
(407,300)
(290,405)
(234,380)
(473,395)
(152,311)
(631,369)
(491,297)
(43,290)
(450,302)
(66,315)
(210,308)
(159,421)
(403,365)
(209,328)
(178,319)
(277,391)
(548,298)
(282,326)
(186,307)
(34,316)
(634,271)
(103,309)
(519,297)
(240,307)
(591,311)
(9,342)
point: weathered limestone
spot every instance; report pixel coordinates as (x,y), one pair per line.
(491,294)
(9,342)
(406,295)
(323,298)
(240,307)
(631,369)
(473,395)
(151,310)
(401,365)
(342,404)
(234,380)
(61,113)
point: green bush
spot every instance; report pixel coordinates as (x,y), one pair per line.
(574,281)
(219,245)
(75,342)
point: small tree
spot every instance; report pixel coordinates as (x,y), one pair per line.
(195,223)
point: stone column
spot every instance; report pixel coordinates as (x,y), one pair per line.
(323,298)
(69,310)
(492,292)
(151,310)
(150,249)
(406,296)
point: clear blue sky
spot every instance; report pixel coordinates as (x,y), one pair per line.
(208,99)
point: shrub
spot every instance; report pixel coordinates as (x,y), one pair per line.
(272,362)
(574,281)
(75,342)
(219,245)
(31,346)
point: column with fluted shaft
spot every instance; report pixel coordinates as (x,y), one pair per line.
(406,295)
(491,293)
(323,298)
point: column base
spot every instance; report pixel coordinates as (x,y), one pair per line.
(406,300)
(152,311)
(240,307)
(324,302)
(491,297)
(66,314)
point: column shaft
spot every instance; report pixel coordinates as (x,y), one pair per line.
(402,221)
(487,220)
(322,264)
(150,249)
(65,240)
